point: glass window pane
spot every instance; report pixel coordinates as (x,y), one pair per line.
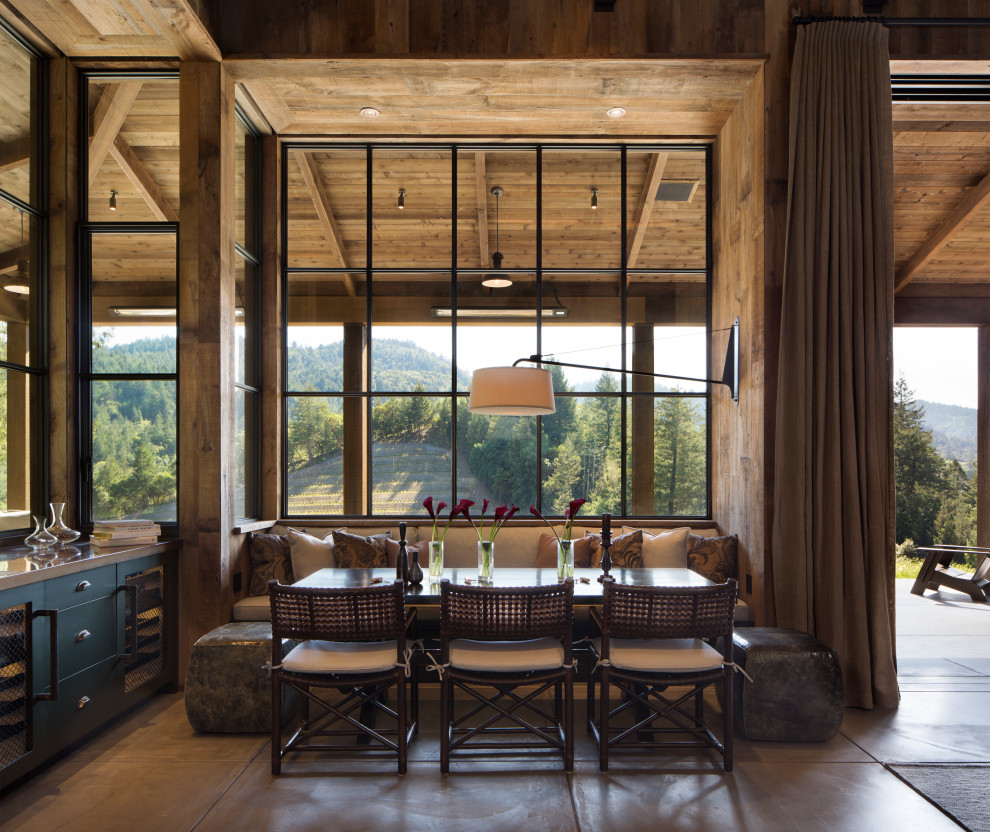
(665,208)
(18,121)
(496,458)
(582,209)
(134,296)
(672,431)
(19,278)
(327,334)
(245,453)
(19,397)
(245,186)
(245,322)
(134,450)
(315,483)
(672,350)
(486,224)
(411,452)
(411,208)
(327,208)
(133,149)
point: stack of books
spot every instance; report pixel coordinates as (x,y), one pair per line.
(124,533)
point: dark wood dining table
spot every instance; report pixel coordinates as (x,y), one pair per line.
(587,592)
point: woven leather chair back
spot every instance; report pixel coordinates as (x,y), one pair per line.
(372,613)
(506,613)
(668,612)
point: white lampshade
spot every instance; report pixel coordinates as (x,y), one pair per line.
(512,391)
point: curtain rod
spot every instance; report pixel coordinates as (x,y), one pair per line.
(924,22)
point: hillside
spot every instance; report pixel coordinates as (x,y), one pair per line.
(953,430)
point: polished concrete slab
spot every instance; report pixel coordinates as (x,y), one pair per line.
(151,771)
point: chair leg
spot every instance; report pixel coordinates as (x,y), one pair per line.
(569,720)
(446,691)
(727,726)
(603,702)
(590,700)
(414,701)
(400,710)
(276,723)
(699,708)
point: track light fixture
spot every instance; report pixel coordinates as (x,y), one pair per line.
(113,200)
(401,204)
(594,199)
(497,281)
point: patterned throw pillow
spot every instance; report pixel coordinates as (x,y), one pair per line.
(714,557)
(270,560)
(546,552)
(626,550)
(355,552)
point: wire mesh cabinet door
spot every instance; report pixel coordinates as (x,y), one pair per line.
(147,625)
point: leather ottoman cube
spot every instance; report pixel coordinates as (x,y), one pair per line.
(796,694)
(227,687)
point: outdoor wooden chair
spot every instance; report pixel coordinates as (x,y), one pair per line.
(937,571)
(492,641)
(353,642)
(653,639)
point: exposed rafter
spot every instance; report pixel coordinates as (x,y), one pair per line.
(481,183)
(647,199)
(108,118)
(8,260)
(142,180)
(271,104)
(15,154)
(324,211)
(974,199)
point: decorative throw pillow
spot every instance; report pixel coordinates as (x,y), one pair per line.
(626,550)
(355,552)
(392,550)
(546,552)
(270,556)
(665,550)
(310,553)
(714,557)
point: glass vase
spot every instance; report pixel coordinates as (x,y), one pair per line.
(486,560)
(436,560)
(40,538)
(63,533)
(565,559)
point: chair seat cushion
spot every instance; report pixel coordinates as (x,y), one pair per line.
(341,657)
(506,656)
(253,608)
(668,655)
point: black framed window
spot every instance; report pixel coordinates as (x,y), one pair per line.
(23,286)
(406,267)
(128,254)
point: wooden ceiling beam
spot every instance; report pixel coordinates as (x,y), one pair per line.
(967,208)
(180,25)
(481,185)
(134,169)
(15,154)
(8,260)
(324,211)
(270,103)
(647,199)
(108,118)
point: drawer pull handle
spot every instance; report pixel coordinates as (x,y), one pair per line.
(83,635)
(82,703)
(82,586)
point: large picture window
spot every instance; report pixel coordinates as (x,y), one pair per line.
(408,267)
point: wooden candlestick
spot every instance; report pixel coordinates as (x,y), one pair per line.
(606,543)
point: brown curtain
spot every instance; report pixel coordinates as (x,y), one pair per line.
(833,541)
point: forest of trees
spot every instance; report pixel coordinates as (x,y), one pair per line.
(935,498)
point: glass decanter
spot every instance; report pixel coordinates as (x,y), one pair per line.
(63,533)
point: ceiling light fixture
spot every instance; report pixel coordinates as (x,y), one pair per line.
(142,311)
(518,313)
(370,112)
(20,282)
(113,200)
(497,281)
(401,204)
(594,199)
(528,391)
(615,112)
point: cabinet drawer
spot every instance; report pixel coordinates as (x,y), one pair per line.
(86,635)
(80,588)
(85,701)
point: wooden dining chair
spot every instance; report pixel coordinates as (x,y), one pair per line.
(653,649)
(353,643)
(492,641)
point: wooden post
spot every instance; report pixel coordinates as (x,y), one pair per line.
(643,434)
(983,438)
(63,323)
(206,331)
(355,412)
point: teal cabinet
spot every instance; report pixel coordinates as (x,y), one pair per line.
(78,649)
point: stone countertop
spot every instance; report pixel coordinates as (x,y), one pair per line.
(21,565)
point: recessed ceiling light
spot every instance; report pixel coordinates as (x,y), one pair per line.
(615,112)
(370,112)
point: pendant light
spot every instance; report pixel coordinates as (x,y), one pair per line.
(497,281)
(20,282)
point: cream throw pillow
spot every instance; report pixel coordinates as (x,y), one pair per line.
(309,553)
(665,550)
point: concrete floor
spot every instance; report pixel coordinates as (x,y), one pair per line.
(152,772)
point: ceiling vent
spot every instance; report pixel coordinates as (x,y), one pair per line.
(674,191)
